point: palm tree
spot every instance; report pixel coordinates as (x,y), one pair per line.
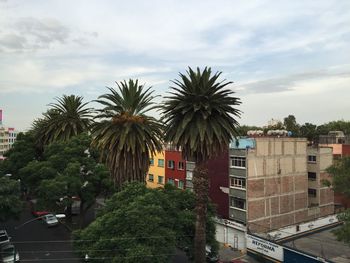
(69,117)
(125,135)
(65,119)
(199,116)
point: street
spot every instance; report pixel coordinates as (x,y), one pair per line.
(36,242)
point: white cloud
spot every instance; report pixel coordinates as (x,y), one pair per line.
(286,47)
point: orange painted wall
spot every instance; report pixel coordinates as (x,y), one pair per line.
(157,170)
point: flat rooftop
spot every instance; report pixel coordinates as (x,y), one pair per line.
(323,244)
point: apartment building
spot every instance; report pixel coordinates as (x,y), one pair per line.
(340,144)
(167,166)
(7,137)
(277,181)
(175,170)
(260,183)
(156,173)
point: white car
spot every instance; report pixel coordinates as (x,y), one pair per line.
(50,220)
(8,253)
(4,238)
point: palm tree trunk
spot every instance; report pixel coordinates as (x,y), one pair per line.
(201,188)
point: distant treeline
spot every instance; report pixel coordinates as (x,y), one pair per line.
(308,130)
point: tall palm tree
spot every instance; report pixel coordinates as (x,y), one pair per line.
(125,135)
(69,117)
(66,118)
(200,118)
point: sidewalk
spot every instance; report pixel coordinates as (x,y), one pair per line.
(230,255)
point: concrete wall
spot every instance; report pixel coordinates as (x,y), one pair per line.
(324,200)
(277,183)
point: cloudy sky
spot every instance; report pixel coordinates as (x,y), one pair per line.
(285,57)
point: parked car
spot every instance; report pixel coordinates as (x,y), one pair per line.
(50,220)
(8,253)
(35,212)
(210,256)
(4,238)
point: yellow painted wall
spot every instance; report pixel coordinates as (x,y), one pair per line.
(157,171)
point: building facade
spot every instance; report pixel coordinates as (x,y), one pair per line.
(175,169)
(269,185)
(340,144)
(7,139)
(156,173)
(320,196)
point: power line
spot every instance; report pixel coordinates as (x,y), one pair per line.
(95,258)
(94,240)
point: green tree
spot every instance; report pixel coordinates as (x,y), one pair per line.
(200,118)
(125,134)
(10,202)
(339,125)
(66,118)
(309,131)
(290,124)
(142,225)
(340,182)
(68,169)
(22,152)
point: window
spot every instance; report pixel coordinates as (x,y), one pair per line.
(151,161)
(171,164)
(237,203)
(237,161)
(237,182)
(181,166)
(171,181)
(181,184)
(160,179)
(311,158)
(189,175)
(311,176)
(161,162)
(151,178)
(312,192)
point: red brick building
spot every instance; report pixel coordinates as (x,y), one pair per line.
(175,168)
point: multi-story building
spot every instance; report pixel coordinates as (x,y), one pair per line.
(320,196)
(218,174)
(175,170)
(259,183)
(277,181)
(156,173)
(340,144)
(7,137)
(167,166)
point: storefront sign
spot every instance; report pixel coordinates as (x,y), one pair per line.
(265,247)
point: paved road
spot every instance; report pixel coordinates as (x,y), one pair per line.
(36,242)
